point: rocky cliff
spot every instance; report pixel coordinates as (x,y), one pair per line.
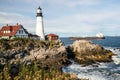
(86,53)
(50,53)
(29,57)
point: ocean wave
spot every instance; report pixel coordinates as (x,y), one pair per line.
(104,71)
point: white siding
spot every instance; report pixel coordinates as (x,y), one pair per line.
(21,33)
(40,28)
(5,37)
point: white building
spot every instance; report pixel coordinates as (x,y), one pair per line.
(39,25)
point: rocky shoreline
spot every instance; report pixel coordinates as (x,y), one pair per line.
(87,53)
(51,54)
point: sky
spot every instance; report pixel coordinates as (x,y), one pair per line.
(64,17)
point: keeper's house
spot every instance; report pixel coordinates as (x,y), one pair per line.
(16,31)
(51,37)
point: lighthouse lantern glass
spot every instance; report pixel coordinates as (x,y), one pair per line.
(38,11)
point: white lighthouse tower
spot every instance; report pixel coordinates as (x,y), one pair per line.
(39,26)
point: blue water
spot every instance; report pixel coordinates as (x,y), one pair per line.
(107,42)
(104,71)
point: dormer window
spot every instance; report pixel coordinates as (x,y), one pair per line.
(6,31)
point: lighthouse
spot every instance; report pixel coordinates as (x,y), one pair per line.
(39,25)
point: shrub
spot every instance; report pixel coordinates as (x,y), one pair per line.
(6,46)
(3,40)
(33,72)
(52,44)
(24,40)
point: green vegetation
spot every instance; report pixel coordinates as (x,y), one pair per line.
(13,51)
(24,43)
(52,44)
(34,72)
(3,40)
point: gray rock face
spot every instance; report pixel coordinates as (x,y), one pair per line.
(53,53)
(41,53)
(46,52)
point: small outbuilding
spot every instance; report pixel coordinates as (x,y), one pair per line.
(51,37)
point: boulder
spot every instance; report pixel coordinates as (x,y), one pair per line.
(87,53)
(55,57)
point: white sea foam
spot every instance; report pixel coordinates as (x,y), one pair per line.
(104,71)
(92,76)
(88,72)
(116,58)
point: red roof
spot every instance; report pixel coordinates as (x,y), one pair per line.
(13,30)
(52,35)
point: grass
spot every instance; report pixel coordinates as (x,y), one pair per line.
(34,72)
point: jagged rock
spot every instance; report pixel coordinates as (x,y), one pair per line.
(52,53)
(54,57)
(2,60)
(85,52)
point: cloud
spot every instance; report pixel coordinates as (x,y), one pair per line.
(69,17)
(83,2)
(13,18)
(67,3)
(104,21)
(77,2)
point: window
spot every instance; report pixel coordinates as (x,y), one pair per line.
(8,31)
(20,31)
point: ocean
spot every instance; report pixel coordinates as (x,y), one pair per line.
(104,71)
